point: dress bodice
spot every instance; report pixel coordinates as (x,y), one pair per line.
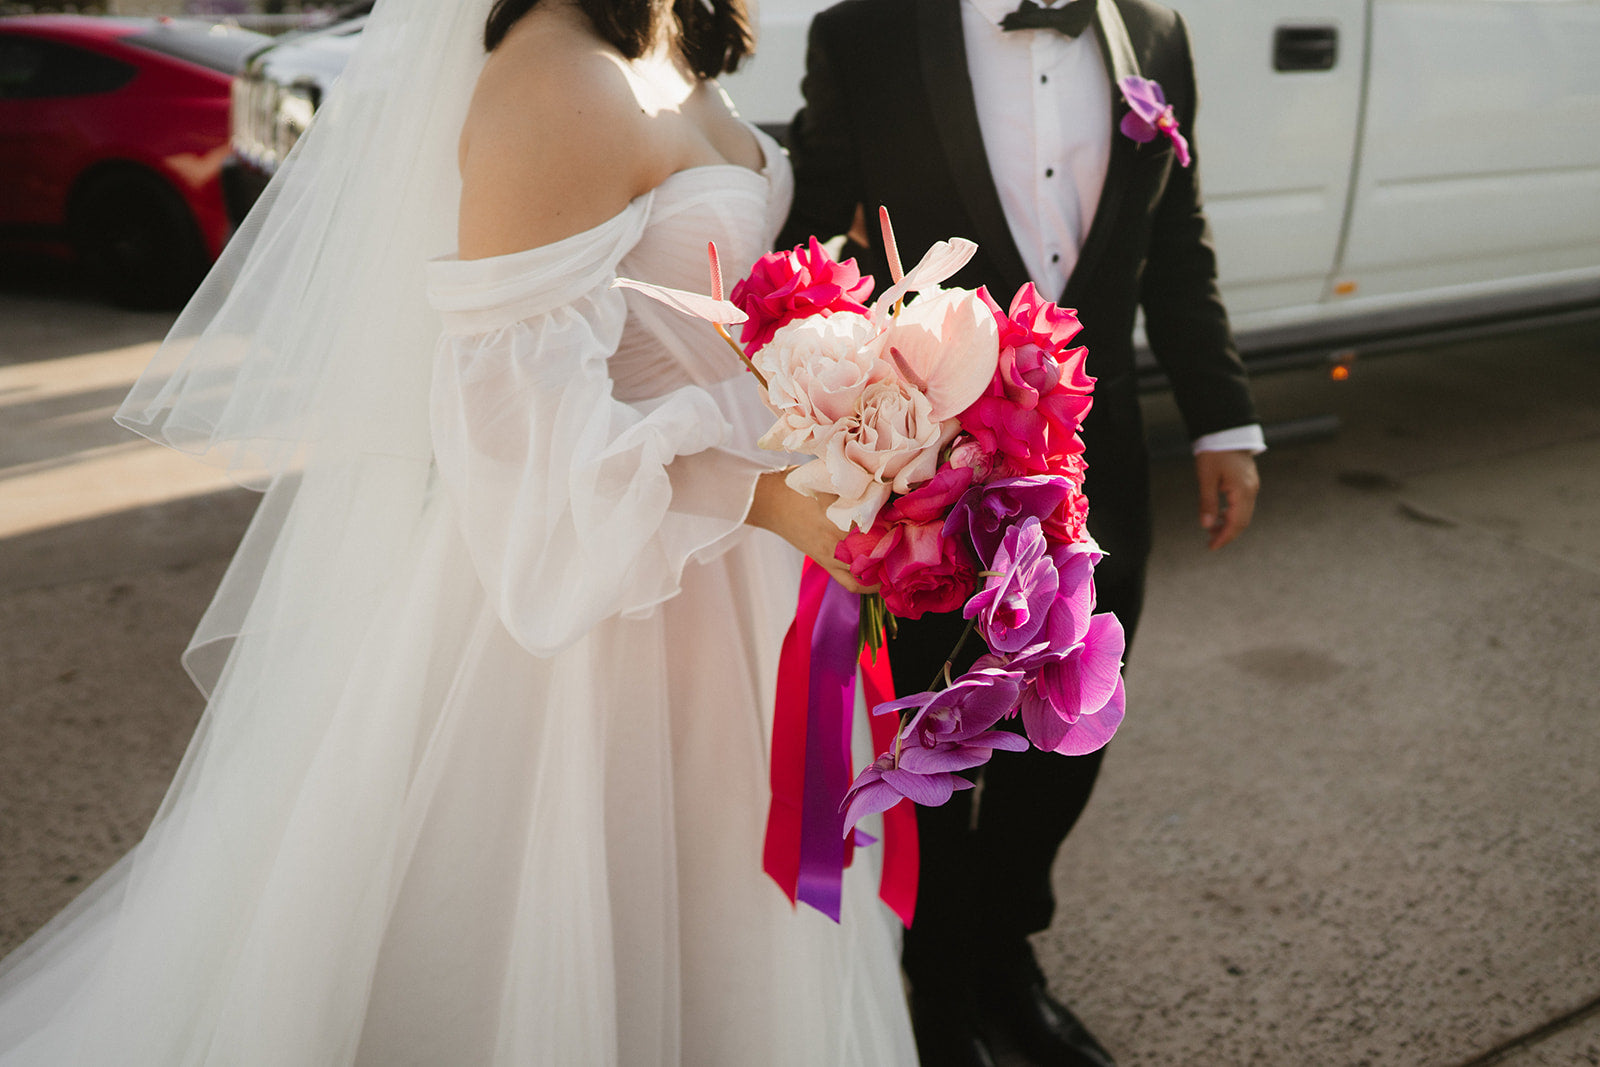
(739,209)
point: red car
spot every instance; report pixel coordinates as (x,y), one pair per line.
(112,136)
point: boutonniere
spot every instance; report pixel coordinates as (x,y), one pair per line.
(1149,114)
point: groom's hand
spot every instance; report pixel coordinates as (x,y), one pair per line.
(1228,486)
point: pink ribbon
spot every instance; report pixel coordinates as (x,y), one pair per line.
(806,850)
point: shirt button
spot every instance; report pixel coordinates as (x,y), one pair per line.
(1044,79)
(1055,257)
(1049,172)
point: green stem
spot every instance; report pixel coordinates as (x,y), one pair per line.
(943,675)
(944,671)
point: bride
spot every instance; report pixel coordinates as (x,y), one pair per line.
(482,776)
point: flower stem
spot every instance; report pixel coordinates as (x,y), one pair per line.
(944,671)
(751,367)
(875,618)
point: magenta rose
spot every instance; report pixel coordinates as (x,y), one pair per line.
(1031,411)
(797,284)
(907,552)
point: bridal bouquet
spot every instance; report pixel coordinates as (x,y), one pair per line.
(947,429)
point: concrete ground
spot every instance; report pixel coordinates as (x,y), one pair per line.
(1353,816)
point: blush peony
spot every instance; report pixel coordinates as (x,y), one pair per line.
(816,370)
(890,443)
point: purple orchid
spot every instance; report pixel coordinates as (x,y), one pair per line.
(926,776)
(971,706)
(883,784)
(1073,700)
(986,512)
(1014,604)
(1149,114)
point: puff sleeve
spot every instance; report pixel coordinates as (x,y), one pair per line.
(574,505)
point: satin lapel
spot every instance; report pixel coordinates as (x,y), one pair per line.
(1116,50)
(948,85)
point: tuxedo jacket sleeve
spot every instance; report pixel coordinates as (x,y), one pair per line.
(1185,321)
(889,119)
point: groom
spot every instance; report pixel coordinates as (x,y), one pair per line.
(973,118)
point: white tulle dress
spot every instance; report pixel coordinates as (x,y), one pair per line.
(508,808)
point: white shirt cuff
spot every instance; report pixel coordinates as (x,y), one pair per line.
(1239,439)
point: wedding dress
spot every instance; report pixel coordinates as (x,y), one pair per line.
(483,776)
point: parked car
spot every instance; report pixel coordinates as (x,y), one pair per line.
(1378,173)
(277,90)
(112,136)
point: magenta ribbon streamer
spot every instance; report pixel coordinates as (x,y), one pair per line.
(834,639)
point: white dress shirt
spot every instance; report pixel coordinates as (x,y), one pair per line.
(1044,110)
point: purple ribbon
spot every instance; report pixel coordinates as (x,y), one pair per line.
(834,640)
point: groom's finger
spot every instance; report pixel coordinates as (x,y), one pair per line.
(1241,506)
(1208,501)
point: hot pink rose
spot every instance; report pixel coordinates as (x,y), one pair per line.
(1031,411)
(804,281)
(907,553)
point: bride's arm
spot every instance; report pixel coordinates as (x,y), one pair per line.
(803,522)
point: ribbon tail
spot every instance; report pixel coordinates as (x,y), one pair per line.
(901,855)
(832,702)
(781,852)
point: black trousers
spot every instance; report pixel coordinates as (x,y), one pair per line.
(987,853)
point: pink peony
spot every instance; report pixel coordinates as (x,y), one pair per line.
(816,370)
(889,444)
(797,284)
(907,553)
(1039,395)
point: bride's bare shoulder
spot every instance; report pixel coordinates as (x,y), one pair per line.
(555,141)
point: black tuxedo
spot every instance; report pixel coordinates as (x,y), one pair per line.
(889,119)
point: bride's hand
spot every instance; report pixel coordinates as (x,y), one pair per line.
(803,522)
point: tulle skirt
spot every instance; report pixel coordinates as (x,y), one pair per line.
(398,838)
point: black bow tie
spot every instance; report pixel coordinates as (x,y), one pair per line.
(1069,19)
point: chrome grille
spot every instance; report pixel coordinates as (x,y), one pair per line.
(266,118)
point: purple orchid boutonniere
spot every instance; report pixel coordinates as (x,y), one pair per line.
(1150,114)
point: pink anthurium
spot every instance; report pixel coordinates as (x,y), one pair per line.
(721,312)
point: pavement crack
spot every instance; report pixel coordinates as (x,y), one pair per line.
(1424,516)
(1536,1036)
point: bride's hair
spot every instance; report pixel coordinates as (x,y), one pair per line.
(715,33)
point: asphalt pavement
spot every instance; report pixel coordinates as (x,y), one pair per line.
(1352,818)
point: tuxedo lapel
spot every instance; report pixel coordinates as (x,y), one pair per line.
(1116,51)
(948,86)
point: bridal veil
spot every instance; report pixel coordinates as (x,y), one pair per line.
(403,833)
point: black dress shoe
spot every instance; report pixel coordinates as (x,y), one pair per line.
(1041,1026)
(947,1033)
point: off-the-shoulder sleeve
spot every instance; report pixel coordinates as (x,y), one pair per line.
(574,505)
